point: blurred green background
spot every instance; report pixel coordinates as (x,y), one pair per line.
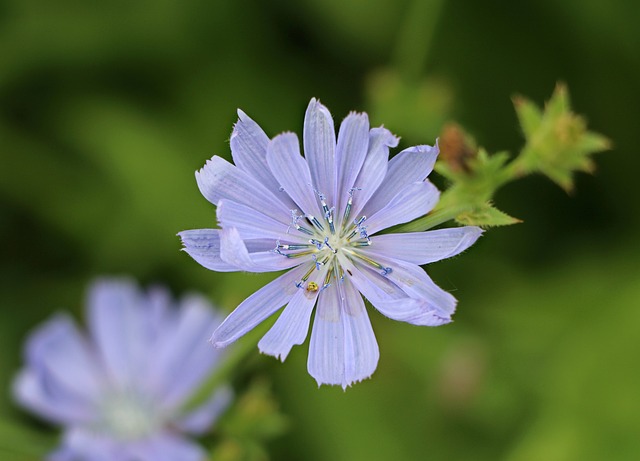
(108,108)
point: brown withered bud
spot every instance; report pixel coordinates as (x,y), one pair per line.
(455,147)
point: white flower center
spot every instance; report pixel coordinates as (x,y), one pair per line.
(326,240)
(130,416)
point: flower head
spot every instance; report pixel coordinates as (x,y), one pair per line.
(320,216)
(119,390)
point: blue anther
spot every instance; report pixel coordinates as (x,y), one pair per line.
(318,263)
(317,243)
(326,242)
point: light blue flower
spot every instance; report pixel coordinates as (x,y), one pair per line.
(118,391)
(319,217)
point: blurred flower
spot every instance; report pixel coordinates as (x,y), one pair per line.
(119,391)
(318,216)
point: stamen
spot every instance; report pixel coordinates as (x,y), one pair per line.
(294,223)
(338,272)
(277,249)
(360,243)
(385,270)
(317,243)
(328,213)
(299,255)
(300,246)
(305,277)
(318,263)
(347,210)
(327,280)
(315,222)
(326,242)
(358,227)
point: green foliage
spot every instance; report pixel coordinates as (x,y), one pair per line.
(253,420)
(557,144)
(557,140)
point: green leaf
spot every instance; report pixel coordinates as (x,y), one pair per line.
(529,115)
(557,140)
(486,216)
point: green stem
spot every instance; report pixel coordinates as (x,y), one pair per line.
(433,219)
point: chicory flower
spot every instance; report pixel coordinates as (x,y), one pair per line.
(119,391)
(319,217)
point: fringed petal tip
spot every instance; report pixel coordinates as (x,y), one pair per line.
(345,384)
(282,356)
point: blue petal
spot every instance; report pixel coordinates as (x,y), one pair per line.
(374,168)
(292,326)
(250,223)
(249,152)
(398,300)
(36,392)
(292,172)
(60,356)
(166,446)
(181,349)
(353,144)
(415,200)
(234,251)
(410,165)
(423,247)
(343,348)
(79,443)
(201,419)
(203,245)
(117,318)
(219,179)
(257,307)
(319,140)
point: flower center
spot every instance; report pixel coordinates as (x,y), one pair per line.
(327,239)
(129,416)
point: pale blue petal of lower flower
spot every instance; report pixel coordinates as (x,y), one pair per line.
(292,326)
(219,179)
(32,391)
(412,202)
(203,245)
(249,152)
(117,318)
(62,356)
(257,307)
(319,139)
(182,350)
(410,165)
(292,172)
(233,251)
(374,168)
(393,302)
(89,445)
(251,223)
(351,150)
(343,348)
(200,420)
(167,446)
(423,247)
